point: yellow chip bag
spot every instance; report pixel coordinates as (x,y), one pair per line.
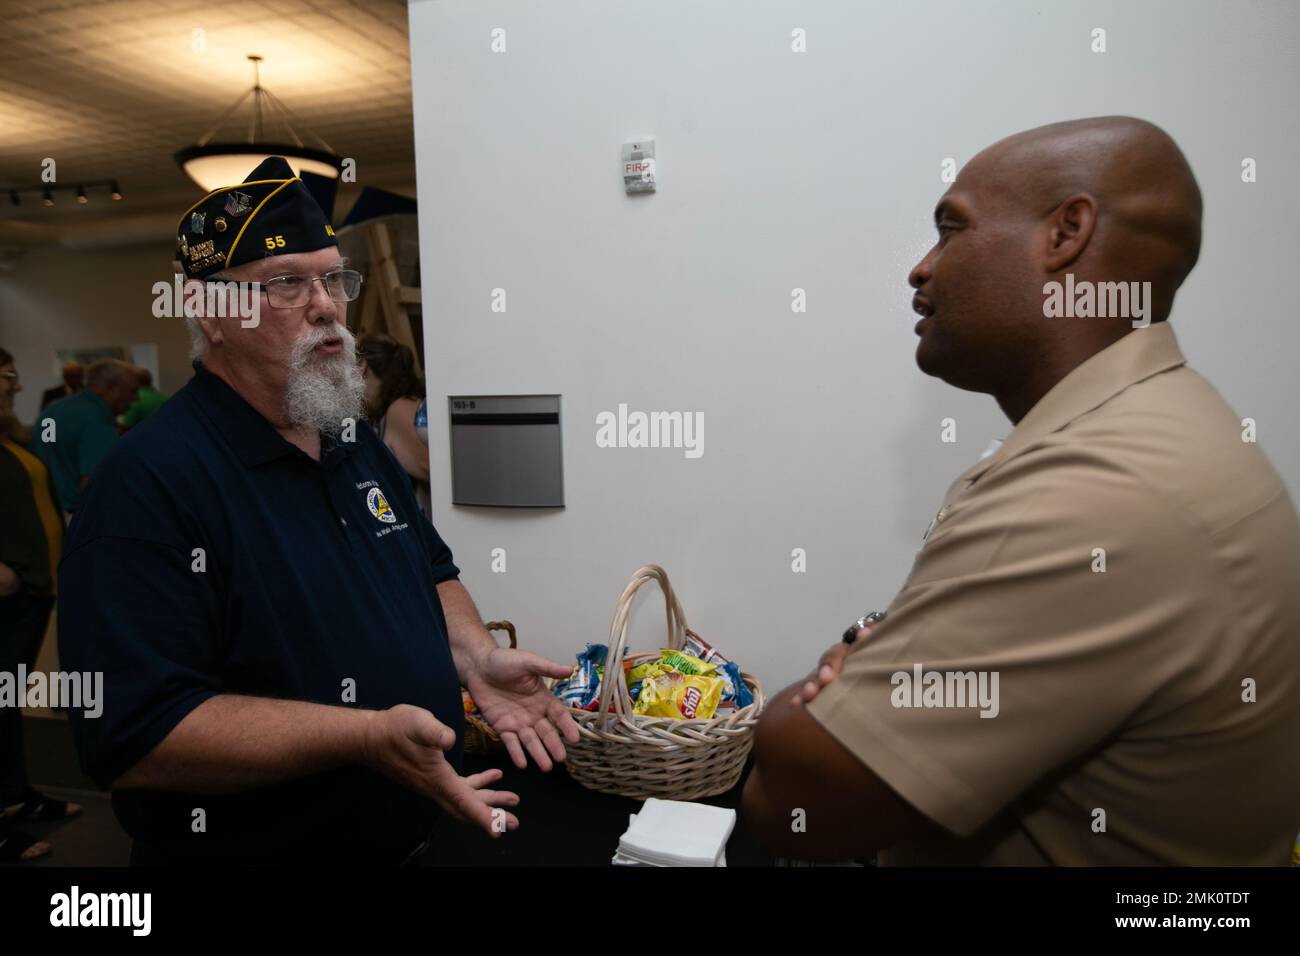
(644,670)
(684,663)
(681,696)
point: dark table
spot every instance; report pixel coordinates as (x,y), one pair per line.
(562,823)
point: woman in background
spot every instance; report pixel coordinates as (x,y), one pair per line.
(31,538)
(394,395)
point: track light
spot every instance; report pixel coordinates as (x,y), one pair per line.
(47,193)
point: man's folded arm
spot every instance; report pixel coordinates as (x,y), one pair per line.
(809,798)
(1043,655)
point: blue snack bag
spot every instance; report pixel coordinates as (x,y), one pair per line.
(581,689)
(735,693)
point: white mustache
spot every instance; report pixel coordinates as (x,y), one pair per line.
(303,347)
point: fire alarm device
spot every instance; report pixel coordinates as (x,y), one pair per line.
(639,166)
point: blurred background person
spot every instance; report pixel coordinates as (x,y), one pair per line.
(73,375)
(394,396)
(147,401)
(31,537)
(85,427)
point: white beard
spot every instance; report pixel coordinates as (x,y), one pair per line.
(324,391)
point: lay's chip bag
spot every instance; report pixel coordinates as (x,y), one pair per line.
(671,693)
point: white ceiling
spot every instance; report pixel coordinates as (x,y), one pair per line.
(113,89)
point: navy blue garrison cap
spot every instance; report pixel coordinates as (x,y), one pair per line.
(270,213)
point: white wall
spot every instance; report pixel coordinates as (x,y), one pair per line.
(781,170)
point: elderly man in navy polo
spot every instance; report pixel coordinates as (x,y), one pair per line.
(282,637)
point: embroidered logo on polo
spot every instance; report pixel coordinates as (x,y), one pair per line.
(379,507)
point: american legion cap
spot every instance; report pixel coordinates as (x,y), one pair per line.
(270,213)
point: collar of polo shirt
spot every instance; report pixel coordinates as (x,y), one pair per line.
(252,436)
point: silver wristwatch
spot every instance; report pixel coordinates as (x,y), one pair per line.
(871,617)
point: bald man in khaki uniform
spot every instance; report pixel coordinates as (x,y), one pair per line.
(1096,656)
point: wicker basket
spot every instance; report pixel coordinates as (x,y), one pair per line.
(480,738)
(635,756)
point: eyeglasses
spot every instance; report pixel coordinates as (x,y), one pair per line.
(9,374)
(292,292)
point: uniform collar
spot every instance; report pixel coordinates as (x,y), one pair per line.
(252,437)
(1139,355)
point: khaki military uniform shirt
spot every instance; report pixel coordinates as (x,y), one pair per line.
(1147,713)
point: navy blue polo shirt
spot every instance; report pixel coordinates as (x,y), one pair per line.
(211,556)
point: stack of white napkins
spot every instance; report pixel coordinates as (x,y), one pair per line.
(673,833)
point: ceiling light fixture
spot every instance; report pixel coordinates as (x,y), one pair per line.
(47,191)
(216,164)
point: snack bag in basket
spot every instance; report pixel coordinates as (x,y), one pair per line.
(697,646)
(681,696)
(636,677)
(734,691)
(581,689)
(684,663)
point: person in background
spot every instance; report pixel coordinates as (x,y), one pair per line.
(73,374)
(85,427)
(31,534)
(147,401)
(394,393)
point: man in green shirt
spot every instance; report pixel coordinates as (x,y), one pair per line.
(74,434)
(148,401)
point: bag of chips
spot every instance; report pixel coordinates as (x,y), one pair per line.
(684,663)
(697,646)
(671,693)
(734,691)
(637,675)
(581,689)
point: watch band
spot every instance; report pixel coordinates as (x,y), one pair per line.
(871,617)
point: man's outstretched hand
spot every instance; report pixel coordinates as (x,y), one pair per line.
(509,690)
(406,744)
